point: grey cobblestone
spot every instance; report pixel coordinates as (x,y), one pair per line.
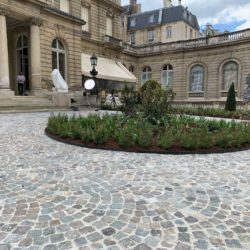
(57,196)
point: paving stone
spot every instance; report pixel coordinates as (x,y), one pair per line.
(56,238)
(108,231)
(232,243)
(80,241)
(94,237)
(142,246)
(50,247)
(201,244)
(5,246)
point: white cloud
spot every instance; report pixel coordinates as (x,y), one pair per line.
(210,11)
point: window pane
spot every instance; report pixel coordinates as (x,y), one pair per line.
(197,79)
(60,45)
(164,80)
(25,41)
(170,80)
(19,42)
(149,76)
(62,64)
(54,60)
(54,44)
(230,75)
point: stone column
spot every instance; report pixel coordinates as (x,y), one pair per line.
(35,54)
(4,57)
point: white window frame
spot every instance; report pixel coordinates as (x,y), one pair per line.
(169,75)
(234,74)
(169,31)
(58,51)
(150,35)
(200,87)
(147,72)
(132,38)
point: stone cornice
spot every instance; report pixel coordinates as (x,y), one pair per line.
(112,4)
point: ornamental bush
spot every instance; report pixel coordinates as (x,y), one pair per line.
(152,84)
(231,101)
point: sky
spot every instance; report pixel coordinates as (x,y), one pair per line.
(230,15)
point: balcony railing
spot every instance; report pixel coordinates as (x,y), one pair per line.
(194,43)
(112,40)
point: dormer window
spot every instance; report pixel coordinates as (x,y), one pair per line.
(151,19)
(132,22)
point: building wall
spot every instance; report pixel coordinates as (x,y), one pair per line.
(180,31)
(212,59)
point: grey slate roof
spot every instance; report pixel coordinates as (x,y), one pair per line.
(162,16)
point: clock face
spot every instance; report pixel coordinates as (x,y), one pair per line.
(89,84)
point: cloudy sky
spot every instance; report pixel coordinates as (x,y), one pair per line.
(228,15)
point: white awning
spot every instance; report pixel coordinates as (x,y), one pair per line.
(108,69)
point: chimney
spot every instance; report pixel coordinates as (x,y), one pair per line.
(179,2)
(167,3)
(133,8)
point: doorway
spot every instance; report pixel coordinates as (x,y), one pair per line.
(22,55)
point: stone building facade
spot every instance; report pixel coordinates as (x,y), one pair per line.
(37,36)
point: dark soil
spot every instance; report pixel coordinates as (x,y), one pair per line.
(111,144)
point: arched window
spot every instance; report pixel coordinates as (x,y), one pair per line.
(230,75)
(167,77)
(146,74)
(59,57)
(197,78)
(131,69)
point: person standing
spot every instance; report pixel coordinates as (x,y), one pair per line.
(20,81)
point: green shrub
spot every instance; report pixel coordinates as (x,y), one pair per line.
(64,130)
(145,137)
(205,139)
(76,130)
(239,139)
(126,136)
(101,135)
(223,140)
(150,84)
(87,135)
(166,141)
(189,141)
(231,101)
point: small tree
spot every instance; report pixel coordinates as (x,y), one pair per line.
(231,101)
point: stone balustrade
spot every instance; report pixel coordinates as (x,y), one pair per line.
(194,43)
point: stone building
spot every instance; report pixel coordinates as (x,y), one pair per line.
(37,36)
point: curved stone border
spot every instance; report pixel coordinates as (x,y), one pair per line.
(56,138)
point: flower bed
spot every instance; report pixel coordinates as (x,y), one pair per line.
(172,134)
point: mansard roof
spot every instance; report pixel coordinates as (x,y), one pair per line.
(162,16)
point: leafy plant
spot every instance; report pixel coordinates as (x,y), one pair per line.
(166,141)
(126,136)
(231,101)
(223,140)
(205,139)
(101,135)
(145,137)
(87,135)
(188,141)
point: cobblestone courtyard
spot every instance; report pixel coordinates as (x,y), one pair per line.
(57,196)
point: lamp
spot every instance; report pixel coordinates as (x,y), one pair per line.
(93,61)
